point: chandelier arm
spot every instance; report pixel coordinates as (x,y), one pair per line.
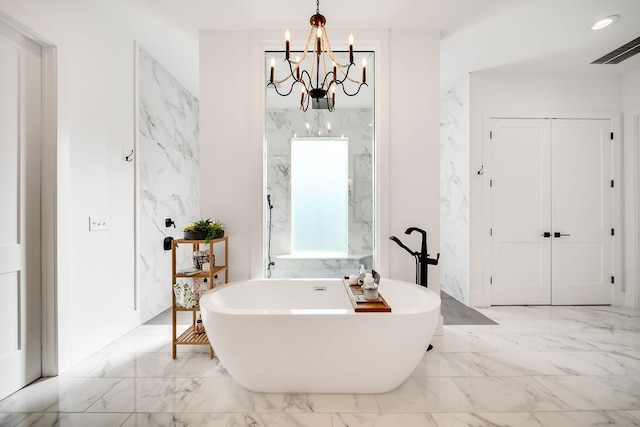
(346,76)
(291,70)
(291,67)
(304,103)
(356,92)
(324,81)
(282,93)
(324,68)
(334,59)
(313,67)
(289,76)
(302,75)
(306,46)
(318,57)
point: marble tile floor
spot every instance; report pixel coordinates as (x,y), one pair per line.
(539,366)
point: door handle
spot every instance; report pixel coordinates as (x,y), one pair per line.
(546,234)
(558,234)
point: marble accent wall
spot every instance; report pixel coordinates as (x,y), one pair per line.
(355,124)
(168,175)
(454,191)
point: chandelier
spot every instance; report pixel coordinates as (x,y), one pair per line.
(326,73)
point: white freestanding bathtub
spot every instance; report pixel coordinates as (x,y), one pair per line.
(303,335)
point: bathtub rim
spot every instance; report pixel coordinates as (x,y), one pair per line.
(434,301)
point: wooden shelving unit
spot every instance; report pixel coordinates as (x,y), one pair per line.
(189,337)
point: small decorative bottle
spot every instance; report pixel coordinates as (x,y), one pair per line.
(361,274)
(199,327)
(204,287)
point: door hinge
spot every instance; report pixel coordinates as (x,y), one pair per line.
(491,280)
(491,232)
(490,183)
(613,279)
(613,232)
(490,134)
(612,136)
(612,184)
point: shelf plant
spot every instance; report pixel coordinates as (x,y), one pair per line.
(204,229)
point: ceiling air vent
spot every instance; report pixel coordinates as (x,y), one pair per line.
(618,55)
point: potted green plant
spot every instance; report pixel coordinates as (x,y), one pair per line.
(218,229)
(203,229)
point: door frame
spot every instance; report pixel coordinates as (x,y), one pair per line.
(16,20)
(484,289)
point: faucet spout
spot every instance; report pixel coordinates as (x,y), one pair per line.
(422,258)
(423,246)
(395,239)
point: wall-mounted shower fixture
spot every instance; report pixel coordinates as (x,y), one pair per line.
(166,244)
(168,222)
(270,263)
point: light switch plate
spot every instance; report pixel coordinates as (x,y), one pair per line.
(98,223)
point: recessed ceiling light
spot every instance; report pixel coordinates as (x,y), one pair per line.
(605,22)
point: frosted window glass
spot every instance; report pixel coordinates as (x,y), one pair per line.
(319,195)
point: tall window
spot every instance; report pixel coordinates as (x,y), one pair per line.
(319,195)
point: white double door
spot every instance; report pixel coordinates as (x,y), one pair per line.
(551,235)
(20,280)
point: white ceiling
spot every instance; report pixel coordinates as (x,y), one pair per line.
(499,35)
(509,35)
(541,36)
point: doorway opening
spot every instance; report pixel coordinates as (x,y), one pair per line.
(550,193)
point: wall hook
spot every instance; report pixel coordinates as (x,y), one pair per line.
(480,172)
(129,157)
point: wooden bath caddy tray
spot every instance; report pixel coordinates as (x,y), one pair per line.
(360,305)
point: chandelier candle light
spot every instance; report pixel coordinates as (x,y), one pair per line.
(317,84)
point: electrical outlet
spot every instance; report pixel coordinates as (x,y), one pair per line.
(98,223)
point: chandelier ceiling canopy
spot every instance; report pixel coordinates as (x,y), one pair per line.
(326,74)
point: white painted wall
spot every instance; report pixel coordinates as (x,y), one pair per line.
(631,90)
(407,132)
(100,286)
(631,109)
(522,94)
(94,84)
(414,147)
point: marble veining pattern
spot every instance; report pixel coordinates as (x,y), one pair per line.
(454,191)
(168,176)
(539,367)
(356,125)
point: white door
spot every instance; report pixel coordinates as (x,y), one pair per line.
(581,212)
(520,207)
(20,281)
(550,209)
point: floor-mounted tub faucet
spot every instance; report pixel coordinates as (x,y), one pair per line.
(422,258)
